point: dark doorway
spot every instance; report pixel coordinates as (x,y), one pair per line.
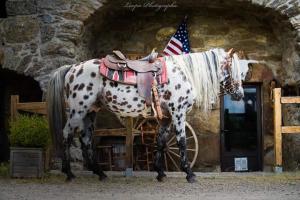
(12,83)
(3,13)
(241,131)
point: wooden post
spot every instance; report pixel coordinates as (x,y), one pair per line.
(129,147)
(14,100)
(277,130)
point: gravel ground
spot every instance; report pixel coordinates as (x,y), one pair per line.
(208,186)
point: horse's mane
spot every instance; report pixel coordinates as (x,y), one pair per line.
(203,70)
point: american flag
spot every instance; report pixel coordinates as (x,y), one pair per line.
(179,42)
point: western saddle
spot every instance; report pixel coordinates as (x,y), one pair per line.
(146,69)
(118,61)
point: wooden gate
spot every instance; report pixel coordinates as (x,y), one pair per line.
(278,100)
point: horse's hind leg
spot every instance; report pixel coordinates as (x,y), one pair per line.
(179,124)
(163,133)
(68,133)
(87,147)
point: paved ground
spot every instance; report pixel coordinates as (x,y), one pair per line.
(226,186)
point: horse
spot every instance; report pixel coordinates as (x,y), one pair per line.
(193,79)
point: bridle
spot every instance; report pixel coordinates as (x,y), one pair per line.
(228,85)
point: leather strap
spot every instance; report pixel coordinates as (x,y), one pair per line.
(156,100)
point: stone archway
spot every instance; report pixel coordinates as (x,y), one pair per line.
(12,83)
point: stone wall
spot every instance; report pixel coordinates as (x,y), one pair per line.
(41,35)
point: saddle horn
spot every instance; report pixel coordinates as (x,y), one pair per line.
(119,54)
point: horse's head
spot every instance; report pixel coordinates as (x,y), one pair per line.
(234,71)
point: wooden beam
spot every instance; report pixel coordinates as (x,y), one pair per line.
(277,127)
(14,100)
(290,129)
(290,99)
(110,132)
(31,106)
(129,142)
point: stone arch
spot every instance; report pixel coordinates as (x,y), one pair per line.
(283,17)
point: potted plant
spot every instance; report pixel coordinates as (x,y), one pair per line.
(30,140)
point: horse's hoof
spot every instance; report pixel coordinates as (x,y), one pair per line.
(103,178)
(161,178)
(70,178)
(191,179)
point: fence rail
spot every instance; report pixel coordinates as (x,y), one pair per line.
(278,128)
(32,107)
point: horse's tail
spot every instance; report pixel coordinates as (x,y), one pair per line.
(56,107)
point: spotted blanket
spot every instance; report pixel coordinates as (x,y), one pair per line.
(130,76)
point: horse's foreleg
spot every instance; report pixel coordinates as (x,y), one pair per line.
(161,145)
(179,123)
(87,147)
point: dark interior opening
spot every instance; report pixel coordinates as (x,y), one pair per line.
(12,83)
(241,131)
(3,13)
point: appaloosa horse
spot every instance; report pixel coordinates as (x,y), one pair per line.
(192,78)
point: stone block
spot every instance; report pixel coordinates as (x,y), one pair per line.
(78,12)
(70,31)
(215,42)
(11,61)
(21,7)
(20,29)
(209,151)
(165,33)
(268,142)
(47,33)
(24,62)
(134,46)
(53,4)
(46,18)
(57,47)
(35,68)
(269,158)
(205,123)
(32,47)
(1,55)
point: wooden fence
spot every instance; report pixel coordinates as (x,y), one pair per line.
(32,107)
(278,128)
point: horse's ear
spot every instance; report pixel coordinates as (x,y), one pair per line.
(231,52)
(241,54)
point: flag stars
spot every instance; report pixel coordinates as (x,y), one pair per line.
(179,43)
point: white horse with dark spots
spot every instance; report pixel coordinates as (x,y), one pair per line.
(192,79)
